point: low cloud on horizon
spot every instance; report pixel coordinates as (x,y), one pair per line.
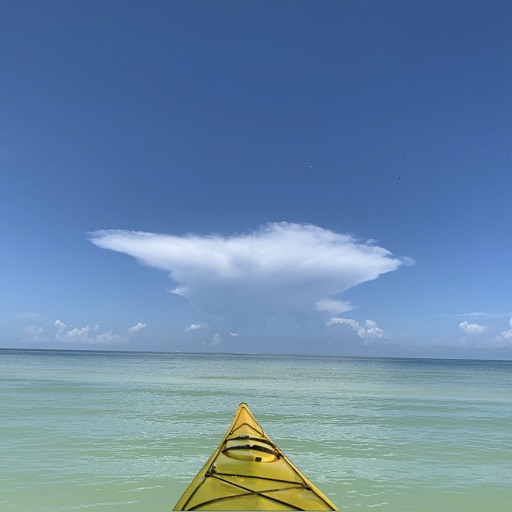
(78,335)
(476,335)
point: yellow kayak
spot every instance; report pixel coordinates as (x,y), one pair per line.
(249,472)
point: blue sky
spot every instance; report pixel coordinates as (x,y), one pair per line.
(292,177)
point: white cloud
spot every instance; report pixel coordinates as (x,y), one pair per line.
(91,335)
(282,268)
(333,307)
(505,338)
(73,335)
(348,321)
(483,315)
(107,337)
(234,334)
(34,333)
(60,325)
(371,331)
(137,327)
(217,339)
(67,334)
(193,327)
(472,328)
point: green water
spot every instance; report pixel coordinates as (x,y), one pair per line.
(127,432)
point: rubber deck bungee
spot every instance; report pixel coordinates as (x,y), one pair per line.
(249,472)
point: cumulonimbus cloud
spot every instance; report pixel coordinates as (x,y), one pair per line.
(281,267)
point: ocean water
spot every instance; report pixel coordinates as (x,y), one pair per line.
(106,431)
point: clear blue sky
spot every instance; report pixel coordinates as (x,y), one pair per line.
(326,177)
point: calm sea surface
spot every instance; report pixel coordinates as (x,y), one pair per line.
(114,432)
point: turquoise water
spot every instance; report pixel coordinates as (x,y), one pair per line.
(113,432)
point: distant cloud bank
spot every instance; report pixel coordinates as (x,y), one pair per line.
(505,338)
(475,334)
(79,335)
(281,268)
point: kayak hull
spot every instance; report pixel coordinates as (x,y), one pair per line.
(248,471)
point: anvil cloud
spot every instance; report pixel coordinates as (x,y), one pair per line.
(279,268)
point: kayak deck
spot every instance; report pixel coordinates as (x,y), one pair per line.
(249,472)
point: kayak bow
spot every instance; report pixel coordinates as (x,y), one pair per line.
(249,472)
